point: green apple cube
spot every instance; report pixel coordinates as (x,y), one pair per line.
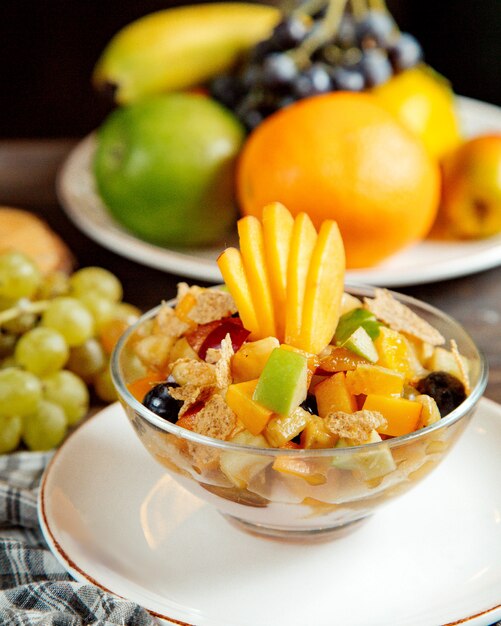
(283,383)
(360,343)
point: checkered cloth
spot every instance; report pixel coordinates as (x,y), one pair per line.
(34,587)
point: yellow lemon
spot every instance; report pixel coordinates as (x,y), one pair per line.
(424,102)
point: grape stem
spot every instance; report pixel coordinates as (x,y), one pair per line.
(326,30)
(21,308)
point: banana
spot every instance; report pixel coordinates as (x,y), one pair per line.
(178,48)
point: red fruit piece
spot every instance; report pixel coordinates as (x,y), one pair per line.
(229,325)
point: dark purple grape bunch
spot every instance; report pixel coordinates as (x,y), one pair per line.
(364,51)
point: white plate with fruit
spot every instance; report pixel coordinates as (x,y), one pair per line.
(157,182)
(424,262)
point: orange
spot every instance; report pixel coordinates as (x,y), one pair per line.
(342,156)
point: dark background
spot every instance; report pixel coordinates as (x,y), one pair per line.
(49,47)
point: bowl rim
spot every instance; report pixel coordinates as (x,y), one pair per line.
(357,289)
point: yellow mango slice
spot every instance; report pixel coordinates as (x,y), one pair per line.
(232,269)
(253,415)
(332,394)
(277,232)
(250,233)
(402,415)
(324,289)
(304,237)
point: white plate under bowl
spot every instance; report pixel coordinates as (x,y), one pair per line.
(426,262)
(112,516)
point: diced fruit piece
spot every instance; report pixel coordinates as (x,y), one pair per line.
(312,359)
(394,352)
(402,415)
(339,360)
(371,464)
(277,231)
(159,400)
(283,383)
(324,289)
(253,415)
(447,390)
(248,362)
(250,233)
(349,322)
(184,306)
(360,343)
(231,326)
(443,360)
(429,413)
(283,428)
(314,472)
(316,435)
(188,420)
(240,467)
(232,269)
(333,394)
(182,350)
(374,379)
(304,237)
(140,387)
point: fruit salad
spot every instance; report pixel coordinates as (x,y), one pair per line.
(282,357)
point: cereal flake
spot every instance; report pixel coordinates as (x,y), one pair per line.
(460,362)
(168,323)
(211,305)
(401,318)
(354,426)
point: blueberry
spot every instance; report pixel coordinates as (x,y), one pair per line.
(159,400)
(405,52)
(447,390)
(310,405)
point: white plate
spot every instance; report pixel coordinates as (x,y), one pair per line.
(426,262)
(112,516)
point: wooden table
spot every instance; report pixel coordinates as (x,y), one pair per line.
(27,174)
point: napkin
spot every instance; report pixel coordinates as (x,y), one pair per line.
(34,588)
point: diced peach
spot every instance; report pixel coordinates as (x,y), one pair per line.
(333,394)
(324,289)
(140,387)
(374,379)
(251,238)
(248,362)
(253,415)
(304,237)
(232,269)
(402,415)
(277,233)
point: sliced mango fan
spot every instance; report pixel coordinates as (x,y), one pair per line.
(287,280)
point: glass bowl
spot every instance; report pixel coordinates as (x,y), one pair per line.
(302,494)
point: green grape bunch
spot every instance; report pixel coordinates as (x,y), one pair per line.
(56,336)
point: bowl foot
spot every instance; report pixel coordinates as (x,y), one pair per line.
(309,535)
